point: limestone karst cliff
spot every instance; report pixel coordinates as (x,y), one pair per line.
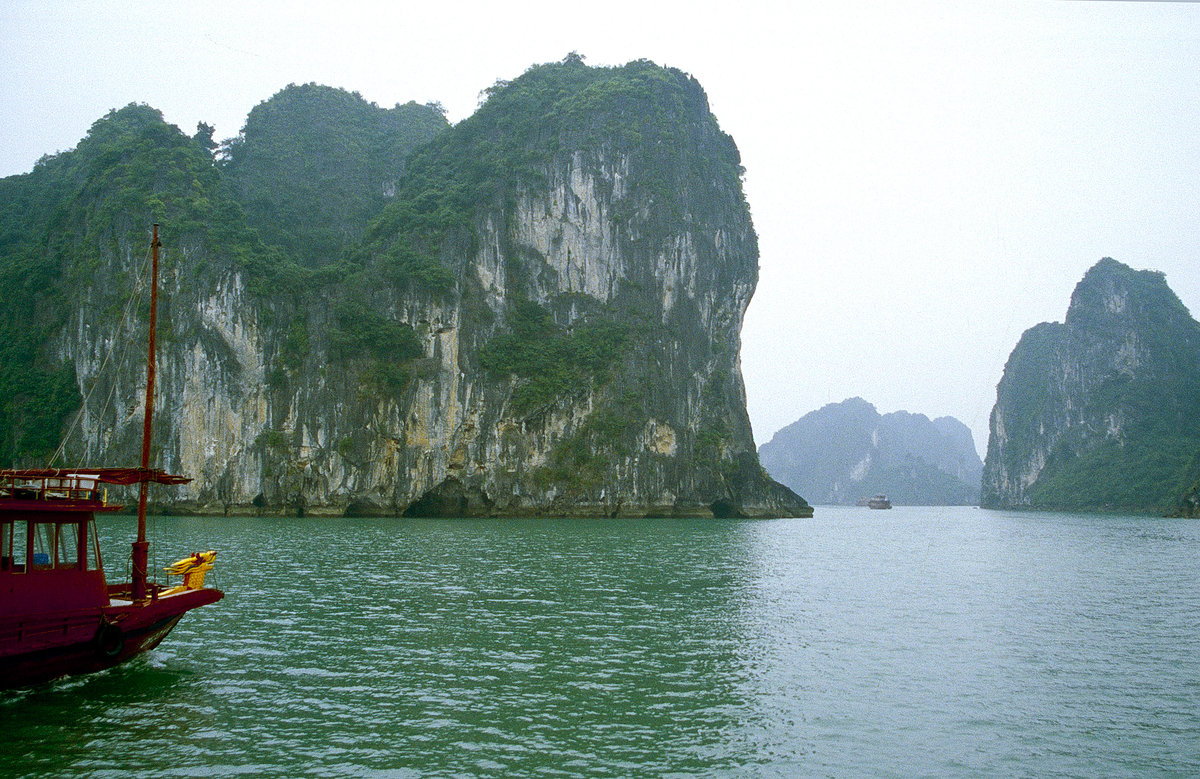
(1101,412)
(536,311)
(847,451)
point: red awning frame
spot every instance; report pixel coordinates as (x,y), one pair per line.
(105,475)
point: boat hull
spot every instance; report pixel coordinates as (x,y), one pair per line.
(35,651)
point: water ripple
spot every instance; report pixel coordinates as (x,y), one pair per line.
(939,642)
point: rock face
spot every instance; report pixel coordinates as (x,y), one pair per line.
(846,451)
(541,318)
(1101,412)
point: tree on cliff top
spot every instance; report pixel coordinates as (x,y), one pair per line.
(657,117)
(314,164)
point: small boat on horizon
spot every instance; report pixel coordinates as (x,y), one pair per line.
(58,614)
(879,502)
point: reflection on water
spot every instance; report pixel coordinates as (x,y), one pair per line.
(932,641)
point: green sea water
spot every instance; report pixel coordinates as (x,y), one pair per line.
(915,642)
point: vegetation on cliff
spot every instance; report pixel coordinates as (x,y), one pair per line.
(313,165)
(301,180)
(327,271)
(656,117)
(1189,501)
(66,221)
(1101,412)
(683,177)
(550,359)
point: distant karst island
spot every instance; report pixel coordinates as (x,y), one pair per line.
(845,452)
(367,311)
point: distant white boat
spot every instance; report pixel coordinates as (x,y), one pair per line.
(879,502)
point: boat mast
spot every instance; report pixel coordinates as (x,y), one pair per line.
(141,546)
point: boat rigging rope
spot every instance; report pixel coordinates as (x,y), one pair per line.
(135,297)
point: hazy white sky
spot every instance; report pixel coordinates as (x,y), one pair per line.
(928,179)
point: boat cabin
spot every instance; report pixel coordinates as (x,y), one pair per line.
(49,553)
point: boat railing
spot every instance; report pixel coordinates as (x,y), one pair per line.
(76,487)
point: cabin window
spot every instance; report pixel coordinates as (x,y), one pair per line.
(92,546)
(55,545)
(67,546)
(43,546)
(12,547)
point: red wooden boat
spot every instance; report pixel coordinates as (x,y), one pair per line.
(58,614)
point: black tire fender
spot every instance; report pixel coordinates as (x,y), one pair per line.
(110,639)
